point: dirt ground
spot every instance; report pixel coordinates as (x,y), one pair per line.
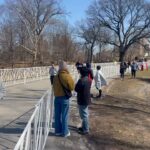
(121,120)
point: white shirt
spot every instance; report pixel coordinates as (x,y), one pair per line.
(99,79)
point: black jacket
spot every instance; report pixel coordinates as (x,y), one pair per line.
(83,91)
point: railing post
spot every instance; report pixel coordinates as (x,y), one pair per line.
(35,134)
(14,77)
(40,74)
(51,108)
(24,74)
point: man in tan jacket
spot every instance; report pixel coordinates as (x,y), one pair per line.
(61,102)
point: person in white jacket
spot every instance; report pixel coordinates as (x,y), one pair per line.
(99,81)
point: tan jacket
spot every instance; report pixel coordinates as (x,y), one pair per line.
(66,80)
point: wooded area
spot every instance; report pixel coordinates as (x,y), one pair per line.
(36,32)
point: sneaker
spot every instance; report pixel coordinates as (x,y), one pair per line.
(58,134)
(67,135)
(83,132)
(80,129)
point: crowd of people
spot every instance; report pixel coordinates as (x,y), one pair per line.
(63,84)
(132,68)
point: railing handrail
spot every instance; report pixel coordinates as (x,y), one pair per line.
(26,129)
(28,126)
(39,108)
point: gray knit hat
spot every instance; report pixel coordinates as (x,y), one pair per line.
(62,65)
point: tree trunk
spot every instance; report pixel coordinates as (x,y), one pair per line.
(34,58)
(91,55)
(100,50)
(36,51)
(121,54)
(88,55)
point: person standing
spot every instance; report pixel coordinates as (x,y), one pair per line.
(122,70)
(134,68)
(78,66)
(52,72)
(61,102)
(99,81)
(83,99)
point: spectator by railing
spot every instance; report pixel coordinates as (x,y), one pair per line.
(35,134)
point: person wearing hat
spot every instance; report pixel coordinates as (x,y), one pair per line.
(61,102)
(83,99)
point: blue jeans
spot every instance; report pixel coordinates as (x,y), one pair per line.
(84,114)
(61,106)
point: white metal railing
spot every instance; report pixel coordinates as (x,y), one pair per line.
(35,134)
(2,90)
(23,75)
(108,69)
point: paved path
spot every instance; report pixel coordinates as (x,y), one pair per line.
(16,108)
(75,141)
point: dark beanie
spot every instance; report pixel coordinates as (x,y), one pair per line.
(88,65)
(84,71)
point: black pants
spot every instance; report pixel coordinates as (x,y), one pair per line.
(133,72)
(100,92)
(52,79)
(122,75)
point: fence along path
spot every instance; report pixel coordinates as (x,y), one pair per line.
(36,132)
(16,109)
(36,129)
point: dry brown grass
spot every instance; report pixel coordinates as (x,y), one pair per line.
(121,120)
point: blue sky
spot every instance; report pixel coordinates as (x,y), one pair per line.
(76,9)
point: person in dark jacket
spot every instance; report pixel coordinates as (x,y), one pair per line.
(79,65)
(134,68)
(83,99)
(122,70)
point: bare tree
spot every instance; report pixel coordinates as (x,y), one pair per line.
(128,20)
(64,45)
(90,34)
(7,40)
(36,16)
